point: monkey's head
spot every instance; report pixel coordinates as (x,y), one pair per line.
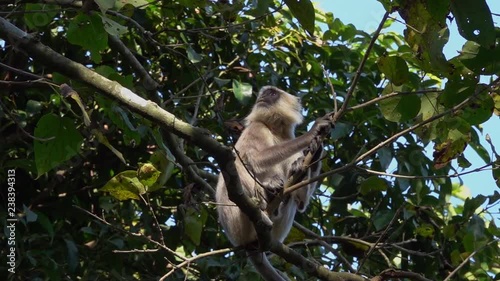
(275,107)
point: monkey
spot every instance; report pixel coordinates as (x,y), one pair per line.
(267,154)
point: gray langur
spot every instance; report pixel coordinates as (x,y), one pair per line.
(267,153)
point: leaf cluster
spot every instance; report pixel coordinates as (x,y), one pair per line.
(101,192)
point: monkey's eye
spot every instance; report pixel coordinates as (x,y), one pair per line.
(271,93)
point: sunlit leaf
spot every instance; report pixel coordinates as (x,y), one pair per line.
(480,59)
(242,91)
(427,33)
(124,186)
(394,68)
(425,230)
(112,27)
(399,108)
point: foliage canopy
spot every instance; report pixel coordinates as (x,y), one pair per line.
(115,181)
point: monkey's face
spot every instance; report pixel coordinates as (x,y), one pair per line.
(268,96)
(276,108)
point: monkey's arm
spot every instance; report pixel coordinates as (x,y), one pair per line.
(275,154)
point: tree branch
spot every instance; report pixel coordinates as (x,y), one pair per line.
(150,110)
(311,267)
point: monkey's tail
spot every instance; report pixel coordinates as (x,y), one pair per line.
(264,267)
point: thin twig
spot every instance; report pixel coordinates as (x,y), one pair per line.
(21,72)
(455,175)
(131,233)
(157,224)
(395,94)
(190,260)
(388,141)
(329,82)
(381,236)
(354,83)
(467,259)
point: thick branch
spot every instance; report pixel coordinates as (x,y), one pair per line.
(311,267)
(150,110)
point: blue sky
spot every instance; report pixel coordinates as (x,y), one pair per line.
(366,15)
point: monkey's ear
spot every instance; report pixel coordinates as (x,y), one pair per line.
(235,127)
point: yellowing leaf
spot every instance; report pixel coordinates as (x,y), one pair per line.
(124,186)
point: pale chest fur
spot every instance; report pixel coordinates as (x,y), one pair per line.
(260,141)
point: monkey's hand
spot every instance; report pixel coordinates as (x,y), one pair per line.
(322,127)
(273,187)
(298,166)
(316,147)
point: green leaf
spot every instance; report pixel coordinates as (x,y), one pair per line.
(457,89)
(141,4)
(119,243)
(57,141)
(399,108)
(448,150)
(475,143)
(394,68)
(479,59)
(428,105)
(479,110)
(44,221)
(357,213)
(72,254)
(112,27)
(39,15)
(472,204)
(341,130)
(193,225)
(474,21)
(426,34)
(425,230)
(105,5)
(496,101)
(88,31)
(148,174)
(242,91)
(295,235)
(385,157)
(463,162)
(262,7)
(193,56)
(372,184)
(30,215)
(496,173)
(162,163)
(304,11)
(33,107)
(382,219)
(476,227)
(221,82)
(468,242)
